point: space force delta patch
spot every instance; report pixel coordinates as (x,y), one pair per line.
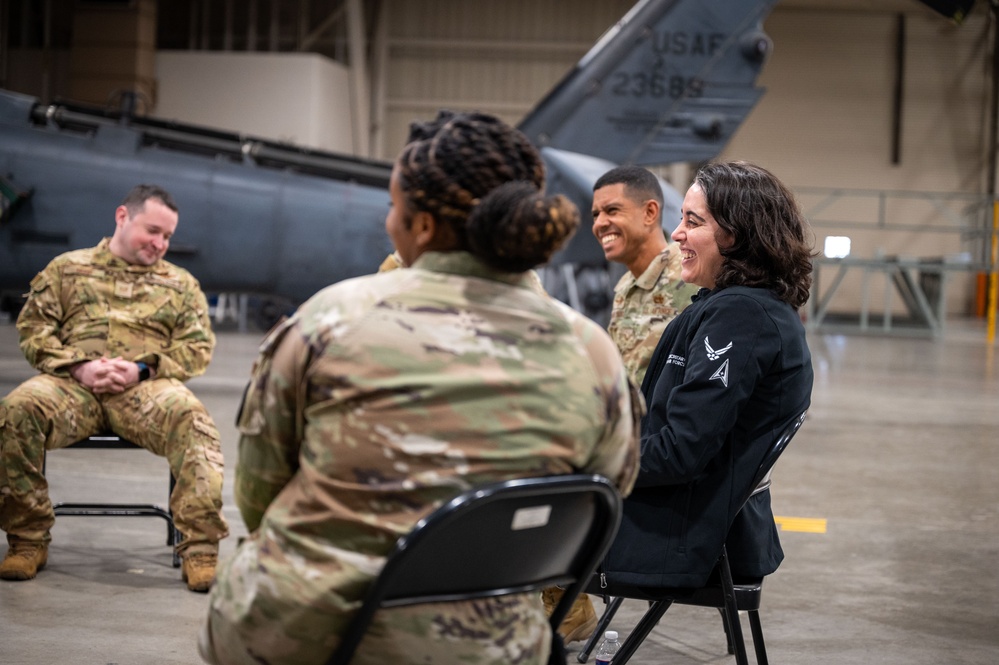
(721,373)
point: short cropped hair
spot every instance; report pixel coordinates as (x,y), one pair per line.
(639,183)
(136,198)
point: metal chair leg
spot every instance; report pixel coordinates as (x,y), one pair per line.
(637,637)
(732,610)
(756,626)
(598,633)
(173,534)
(114,442)
(728,631)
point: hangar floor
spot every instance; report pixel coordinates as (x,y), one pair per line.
(896,561)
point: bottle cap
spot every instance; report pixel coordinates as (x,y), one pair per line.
(611,635)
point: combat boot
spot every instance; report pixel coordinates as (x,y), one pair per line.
(581,620)
(198,570)
(550,597)
(23,559)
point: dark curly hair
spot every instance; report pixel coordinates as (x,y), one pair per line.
(769,247)
(484,180)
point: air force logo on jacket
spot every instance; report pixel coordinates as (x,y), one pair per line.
(715,355)
(721,374)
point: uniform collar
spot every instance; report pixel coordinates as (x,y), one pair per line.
(104,257)
(648,279)
(463,263)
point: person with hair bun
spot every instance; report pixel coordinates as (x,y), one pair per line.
(385,396)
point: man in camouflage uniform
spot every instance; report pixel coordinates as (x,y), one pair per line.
(627,220)
(381,399)
(114,330)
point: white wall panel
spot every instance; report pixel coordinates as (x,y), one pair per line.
(827,119)
(301,98)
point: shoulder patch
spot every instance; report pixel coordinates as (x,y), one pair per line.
(715,354)
(39,283)
(721,374)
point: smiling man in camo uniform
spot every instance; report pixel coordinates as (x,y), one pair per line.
(114,330)
(627,221)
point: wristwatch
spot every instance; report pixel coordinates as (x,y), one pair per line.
(143,371)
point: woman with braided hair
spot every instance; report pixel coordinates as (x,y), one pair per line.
(385,396)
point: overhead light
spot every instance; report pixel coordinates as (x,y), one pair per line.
(836,247)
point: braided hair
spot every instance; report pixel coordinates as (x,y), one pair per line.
(484,180)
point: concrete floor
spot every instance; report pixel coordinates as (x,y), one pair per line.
(899,455)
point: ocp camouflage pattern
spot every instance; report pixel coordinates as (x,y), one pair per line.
(644,306)
(380,399)
(88,304)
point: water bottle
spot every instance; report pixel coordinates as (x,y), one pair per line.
(608,648)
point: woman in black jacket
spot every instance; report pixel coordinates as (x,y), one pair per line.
(729,374)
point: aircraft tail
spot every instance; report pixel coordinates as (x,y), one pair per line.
(670,82)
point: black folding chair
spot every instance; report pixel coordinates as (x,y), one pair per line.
(720,592)
(512,537)
(110,440)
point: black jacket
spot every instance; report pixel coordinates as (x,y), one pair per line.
(729,374)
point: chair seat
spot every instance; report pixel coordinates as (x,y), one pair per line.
(748,593)
(747,596)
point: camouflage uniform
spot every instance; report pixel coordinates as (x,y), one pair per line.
(381,399)
(643,307)
(89,304)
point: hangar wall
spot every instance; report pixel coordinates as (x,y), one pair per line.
(826,125)
(500,57)
(300,98)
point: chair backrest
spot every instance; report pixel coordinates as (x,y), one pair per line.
(761,482)
(511,537)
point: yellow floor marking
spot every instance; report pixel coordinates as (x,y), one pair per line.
(804,524)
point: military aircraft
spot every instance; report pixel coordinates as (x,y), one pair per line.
(671,81)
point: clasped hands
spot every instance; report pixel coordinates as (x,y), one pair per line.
(106,375)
